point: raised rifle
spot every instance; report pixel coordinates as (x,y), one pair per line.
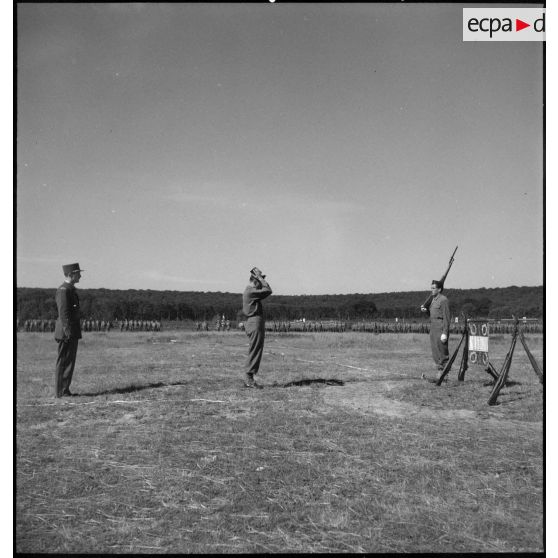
(426,304)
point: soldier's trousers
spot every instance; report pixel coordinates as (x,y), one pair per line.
(440,351)
(65,363)
(255,330)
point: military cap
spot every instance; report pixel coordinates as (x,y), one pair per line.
(439,284)
(71,268)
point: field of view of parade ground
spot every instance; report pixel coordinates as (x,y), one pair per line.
(282,279)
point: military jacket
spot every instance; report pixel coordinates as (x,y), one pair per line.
(68,322)
(440,312)
(251,305)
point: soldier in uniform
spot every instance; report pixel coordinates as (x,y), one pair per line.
(255,292)
(439,324)
(67,331)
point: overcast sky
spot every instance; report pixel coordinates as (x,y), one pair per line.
(340,148)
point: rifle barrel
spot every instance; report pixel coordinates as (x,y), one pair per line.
(428,301)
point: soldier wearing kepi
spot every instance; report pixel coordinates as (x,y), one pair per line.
(255,292)
(68,330)
(439,324)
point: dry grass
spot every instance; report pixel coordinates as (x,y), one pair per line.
(164,451)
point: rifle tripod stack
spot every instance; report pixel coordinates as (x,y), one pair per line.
(500,378)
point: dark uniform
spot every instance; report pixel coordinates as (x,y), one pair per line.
(254,325)
(439,324)
(67,332)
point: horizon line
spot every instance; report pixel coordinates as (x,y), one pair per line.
(303,294)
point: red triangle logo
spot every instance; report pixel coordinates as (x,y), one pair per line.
(519,25)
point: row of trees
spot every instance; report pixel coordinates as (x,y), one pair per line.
(108,304)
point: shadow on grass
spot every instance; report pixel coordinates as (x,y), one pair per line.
(129,389)
(308,382)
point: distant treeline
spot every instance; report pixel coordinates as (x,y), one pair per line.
(109,304)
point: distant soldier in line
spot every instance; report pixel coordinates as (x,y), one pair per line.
(439,324)
(67,331)
(255,292)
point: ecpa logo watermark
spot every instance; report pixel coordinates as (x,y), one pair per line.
(503,24)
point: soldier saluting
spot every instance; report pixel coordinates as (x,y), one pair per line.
(67,331)
(255,292)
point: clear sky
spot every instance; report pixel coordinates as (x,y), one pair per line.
(341,148)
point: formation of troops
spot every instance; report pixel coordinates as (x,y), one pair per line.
(96,325)
(280,326)
(35,325)
(307,326)
(221,324)
(41,326)
(140,325)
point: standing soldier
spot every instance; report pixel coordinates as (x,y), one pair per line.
(67,331)
(439,324)
(255,292)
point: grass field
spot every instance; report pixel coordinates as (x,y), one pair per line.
(163,450)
